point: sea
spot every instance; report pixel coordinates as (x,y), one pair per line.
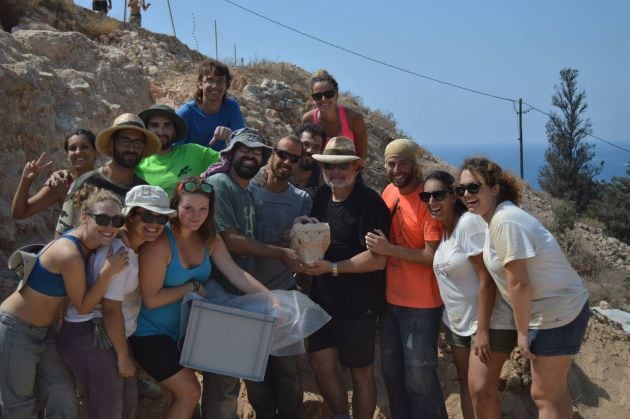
(616,161)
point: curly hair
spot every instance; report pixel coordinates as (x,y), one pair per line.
(89,195)
(323,75)
(492,174)
(207,229)
(212,67)
(448,181)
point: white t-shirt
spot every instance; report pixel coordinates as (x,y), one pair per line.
(458,280)
(558,294)
(123,287)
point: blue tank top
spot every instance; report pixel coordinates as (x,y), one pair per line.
(165,320)
(46,282)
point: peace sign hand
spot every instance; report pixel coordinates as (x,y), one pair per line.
(34,167)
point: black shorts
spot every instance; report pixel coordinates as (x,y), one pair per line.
(353,338)
(157,354)
(100,6)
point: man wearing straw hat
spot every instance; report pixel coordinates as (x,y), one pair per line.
(127,141)
(349,283)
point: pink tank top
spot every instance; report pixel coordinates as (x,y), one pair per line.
(345,128)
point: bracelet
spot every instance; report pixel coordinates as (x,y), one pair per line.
(335,272)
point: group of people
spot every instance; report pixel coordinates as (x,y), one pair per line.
(135,6)
(193,195)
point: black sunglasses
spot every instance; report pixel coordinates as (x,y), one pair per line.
(472,188)
(285,155)
(328,94)
(340,166)
(437,195)
(194,187)
(104,220)
(150,218)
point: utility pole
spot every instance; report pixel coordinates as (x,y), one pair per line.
(171,14)
(216,41)
(125,12)
(234,55)
(520,132)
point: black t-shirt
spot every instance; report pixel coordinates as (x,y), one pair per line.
(350,295)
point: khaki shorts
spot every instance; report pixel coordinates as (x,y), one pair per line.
(501,341)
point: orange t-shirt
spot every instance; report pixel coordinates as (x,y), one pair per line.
(411,284)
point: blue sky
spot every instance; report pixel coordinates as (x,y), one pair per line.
(509,49)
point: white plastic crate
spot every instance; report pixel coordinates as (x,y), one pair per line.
(227,341)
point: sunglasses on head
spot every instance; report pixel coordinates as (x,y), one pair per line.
(149,218)
(437,195)
(104,220)
(194,187)
(340,166)
(285,155)
(472,188)
(328,94)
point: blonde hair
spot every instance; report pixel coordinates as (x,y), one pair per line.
(89,195)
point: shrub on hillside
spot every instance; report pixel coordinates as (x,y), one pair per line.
(613,207)
(564,216)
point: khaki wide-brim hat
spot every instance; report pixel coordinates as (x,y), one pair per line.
(338,150)
(131,121)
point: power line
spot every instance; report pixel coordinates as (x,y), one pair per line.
(404,70)
(358,54)
(590,135)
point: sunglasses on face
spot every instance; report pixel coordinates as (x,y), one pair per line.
(104,220)
(472,188)
(194,187)
(328,94)
(436,195)
(150,218)
(285,155)
(340,166)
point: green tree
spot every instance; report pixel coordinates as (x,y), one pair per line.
(613,207)
(568,173)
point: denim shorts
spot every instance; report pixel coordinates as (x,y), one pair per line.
(501,341)
(563,340)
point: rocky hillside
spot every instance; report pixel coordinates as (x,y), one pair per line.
(63,67)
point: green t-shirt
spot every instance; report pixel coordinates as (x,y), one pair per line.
(184,160)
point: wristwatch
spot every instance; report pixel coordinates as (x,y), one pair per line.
(335,272)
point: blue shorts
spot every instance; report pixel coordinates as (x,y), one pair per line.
(563,340)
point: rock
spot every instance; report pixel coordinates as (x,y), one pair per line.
(603,304)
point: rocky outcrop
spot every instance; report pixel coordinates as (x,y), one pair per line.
(51,83)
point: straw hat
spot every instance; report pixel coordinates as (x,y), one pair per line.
(338,150)
(127,121)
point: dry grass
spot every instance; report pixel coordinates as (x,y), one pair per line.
(96,25)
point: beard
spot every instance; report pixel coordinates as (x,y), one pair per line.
(246,172)
(307,163)
(122,160)
(279,175)
(404,182)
